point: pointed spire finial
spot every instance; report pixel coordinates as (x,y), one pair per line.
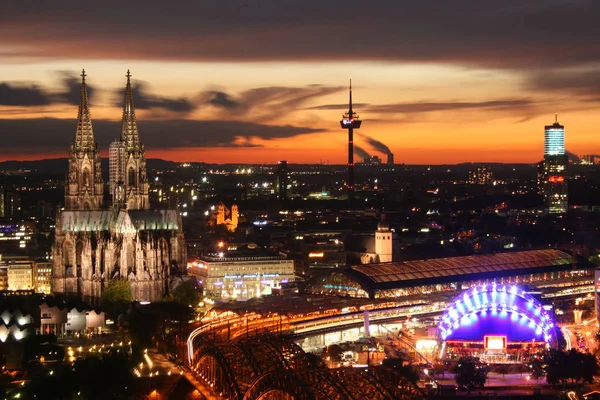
(128,76)
(350,100)
(556,118)
(83,75)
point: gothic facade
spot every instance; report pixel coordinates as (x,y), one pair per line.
(125,239)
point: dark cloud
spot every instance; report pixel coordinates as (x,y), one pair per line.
(143,100)
(425,106)
(267,103)
(582,82)
(14,95)
(342,107)
(508,33)
(221,99)
(72,84)
(47,135)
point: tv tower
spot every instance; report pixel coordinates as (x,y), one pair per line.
(350,121)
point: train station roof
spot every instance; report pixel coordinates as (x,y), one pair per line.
(453,269)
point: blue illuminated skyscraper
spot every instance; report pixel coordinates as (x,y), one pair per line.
(553,176)
(554,139)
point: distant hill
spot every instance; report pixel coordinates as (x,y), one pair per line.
(59,166)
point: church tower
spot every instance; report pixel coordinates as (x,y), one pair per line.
(383,241)
(84,188)
(136,180)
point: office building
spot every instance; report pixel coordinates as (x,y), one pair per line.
(20,275)
(281,180)
(116,165)
(552,172)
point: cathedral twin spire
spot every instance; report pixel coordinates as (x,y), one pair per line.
(129,131)
(85,186)
(84,137)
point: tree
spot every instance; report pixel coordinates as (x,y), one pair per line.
(116,296)
(401,368)
(538,370)
(185,293)
(470,373)
(573,366)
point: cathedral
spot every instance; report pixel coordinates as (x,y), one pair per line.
(95,243)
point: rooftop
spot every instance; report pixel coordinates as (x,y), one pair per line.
(397,273)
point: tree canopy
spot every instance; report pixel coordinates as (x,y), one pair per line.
(185,293)
(116,296)
(573,366)
(470,372)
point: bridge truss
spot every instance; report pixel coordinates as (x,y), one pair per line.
(276,368)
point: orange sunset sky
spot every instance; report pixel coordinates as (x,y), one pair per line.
(256,81)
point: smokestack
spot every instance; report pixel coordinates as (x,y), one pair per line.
(390,159)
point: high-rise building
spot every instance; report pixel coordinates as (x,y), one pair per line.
(281,180)
(554,139)
(116,168)
(1,201)
(12,205)
(93,244)
(552,172)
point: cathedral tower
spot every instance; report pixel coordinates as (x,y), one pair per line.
(135,180)
(84,188)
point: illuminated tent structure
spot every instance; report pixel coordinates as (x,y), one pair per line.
(493,318)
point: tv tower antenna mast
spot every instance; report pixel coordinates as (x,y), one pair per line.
(350,121)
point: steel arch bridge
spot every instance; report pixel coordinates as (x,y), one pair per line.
(276,368)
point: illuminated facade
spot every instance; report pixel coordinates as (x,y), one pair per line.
(94,244)
(20,276)
(226,217)
(496,323)
(552,172)
(245,277)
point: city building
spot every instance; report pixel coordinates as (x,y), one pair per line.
(3,276)
(116,166)
(281,180)
(225,217)
(95,244)
(15,236)
(42,277)
(1,201)
(12,205)
(552,172)
(229,275)
(20,275)
(481,176)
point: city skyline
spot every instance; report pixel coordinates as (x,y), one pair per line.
(244,82)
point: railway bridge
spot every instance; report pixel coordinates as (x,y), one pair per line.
(269,367)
